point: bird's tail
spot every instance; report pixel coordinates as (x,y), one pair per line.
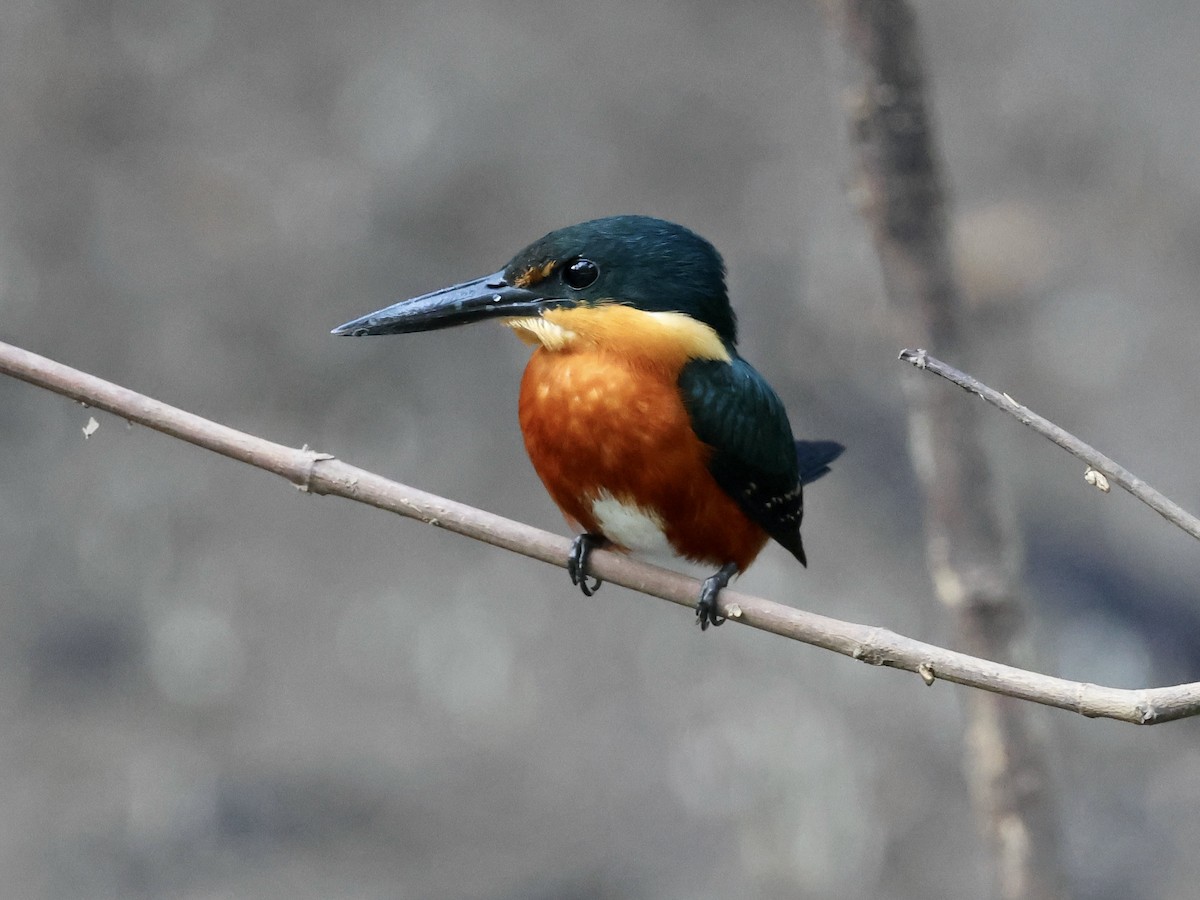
(814,458)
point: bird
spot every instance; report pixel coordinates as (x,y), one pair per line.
(649,431)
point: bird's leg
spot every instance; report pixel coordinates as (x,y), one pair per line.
(577,562)
(706,609)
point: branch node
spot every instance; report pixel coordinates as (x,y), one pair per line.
(312,457)
(919,358)
(1081,705)
(1146,710)
(925,670)
(869,652)
(1097,479)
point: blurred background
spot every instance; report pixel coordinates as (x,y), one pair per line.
(212,685)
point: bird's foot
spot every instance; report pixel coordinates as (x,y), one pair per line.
(706,609)
(577,562)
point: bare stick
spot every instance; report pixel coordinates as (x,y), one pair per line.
(1161,504)
(321,473)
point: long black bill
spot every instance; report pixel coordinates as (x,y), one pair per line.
(484,298)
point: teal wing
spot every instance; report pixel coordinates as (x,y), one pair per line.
(755,461)
(814,458)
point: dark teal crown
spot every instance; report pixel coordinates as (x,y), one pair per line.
(647,263)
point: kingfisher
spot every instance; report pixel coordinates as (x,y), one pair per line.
(649,431)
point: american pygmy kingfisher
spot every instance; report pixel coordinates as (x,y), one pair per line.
(647,428)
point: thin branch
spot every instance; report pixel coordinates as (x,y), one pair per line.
(1160,503)
(321,473)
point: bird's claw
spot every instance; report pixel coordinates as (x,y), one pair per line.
(706,608)
(581,549)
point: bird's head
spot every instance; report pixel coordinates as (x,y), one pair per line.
(621,261)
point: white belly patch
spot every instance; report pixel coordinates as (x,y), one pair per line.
(633,527)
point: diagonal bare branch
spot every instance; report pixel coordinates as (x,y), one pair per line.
(1160,503)
(321,473)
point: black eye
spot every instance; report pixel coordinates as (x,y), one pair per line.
(580,273)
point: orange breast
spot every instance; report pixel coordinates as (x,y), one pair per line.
(598,425)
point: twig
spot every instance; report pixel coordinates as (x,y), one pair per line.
(321,473)
(1161,504)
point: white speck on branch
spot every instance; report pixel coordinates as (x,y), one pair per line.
(321,473)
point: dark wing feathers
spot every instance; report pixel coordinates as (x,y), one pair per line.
(814,457)
(755,459)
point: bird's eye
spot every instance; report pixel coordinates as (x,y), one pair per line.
(580,273)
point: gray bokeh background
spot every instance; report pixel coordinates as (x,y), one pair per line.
(212,685)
